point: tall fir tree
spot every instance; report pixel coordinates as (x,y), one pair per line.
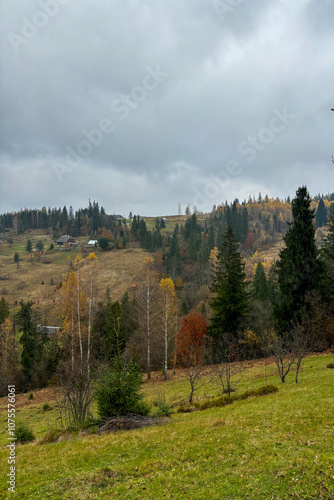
(230,304)
(299,269)
(260,285)
(29,246)
(25,319)
(321,214)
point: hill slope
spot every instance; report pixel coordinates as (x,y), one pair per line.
(278,446)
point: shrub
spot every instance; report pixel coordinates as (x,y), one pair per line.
(23,433)
(163,410)
(30,396)
(117,392)
(227,400)
(46,407)
(330,365)
(215,403)
(39,246)
(52,436)
(266,389)
(184,409)
(160,397)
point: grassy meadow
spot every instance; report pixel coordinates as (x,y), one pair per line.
(31,280)
(279,446)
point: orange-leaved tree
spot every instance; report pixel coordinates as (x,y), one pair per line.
(192,350)
(190,342)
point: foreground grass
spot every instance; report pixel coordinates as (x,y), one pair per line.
(272,447)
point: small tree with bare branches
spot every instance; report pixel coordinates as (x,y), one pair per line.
(227,369)
(284,358)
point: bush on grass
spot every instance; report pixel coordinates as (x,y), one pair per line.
(52,436)
(23,433)
(118,391)
(227,400)
(162,410)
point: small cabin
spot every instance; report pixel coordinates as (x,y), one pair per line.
(48,331)
(93,243)
(66,239)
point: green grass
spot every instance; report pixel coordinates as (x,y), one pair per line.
(278,446)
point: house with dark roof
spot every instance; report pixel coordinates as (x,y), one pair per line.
(66,239)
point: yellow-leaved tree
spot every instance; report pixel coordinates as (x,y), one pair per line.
(77,311)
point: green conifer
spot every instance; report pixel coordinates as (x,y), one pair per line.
(230,304)
(299,269)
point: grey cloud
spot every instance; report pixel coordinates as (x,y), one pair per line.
(225,77)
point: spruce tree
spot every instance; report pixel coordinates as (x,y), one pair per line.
(321,214)
(272,285)
(260,285)
(128,319)
(230,304)
(211,241)
(174,260)
(299,269)
(244,223)
(184,308)
(26,322)
(29,246)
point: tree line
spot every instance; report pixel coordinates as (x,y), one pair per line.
(287,313)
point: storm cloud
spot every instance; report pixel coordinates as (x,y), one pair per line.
(144,104)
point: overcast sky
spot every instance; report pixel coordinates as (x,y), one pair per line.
(142,104)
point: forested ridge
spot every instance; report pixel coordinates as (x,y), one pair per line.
(194,263)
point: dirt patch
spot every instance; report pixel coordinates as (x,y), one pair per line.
(22,400)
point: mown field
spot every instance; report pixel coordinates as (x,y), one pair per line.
(279,446)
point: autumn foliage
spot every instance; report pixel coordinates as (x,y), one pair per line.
(190,342)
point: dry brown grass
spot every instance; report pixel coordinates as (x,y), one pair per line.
(116,269)
(45,395)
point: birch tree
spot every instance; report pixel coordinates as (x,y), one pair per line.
(168,312)
(91,260)
(147,298)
